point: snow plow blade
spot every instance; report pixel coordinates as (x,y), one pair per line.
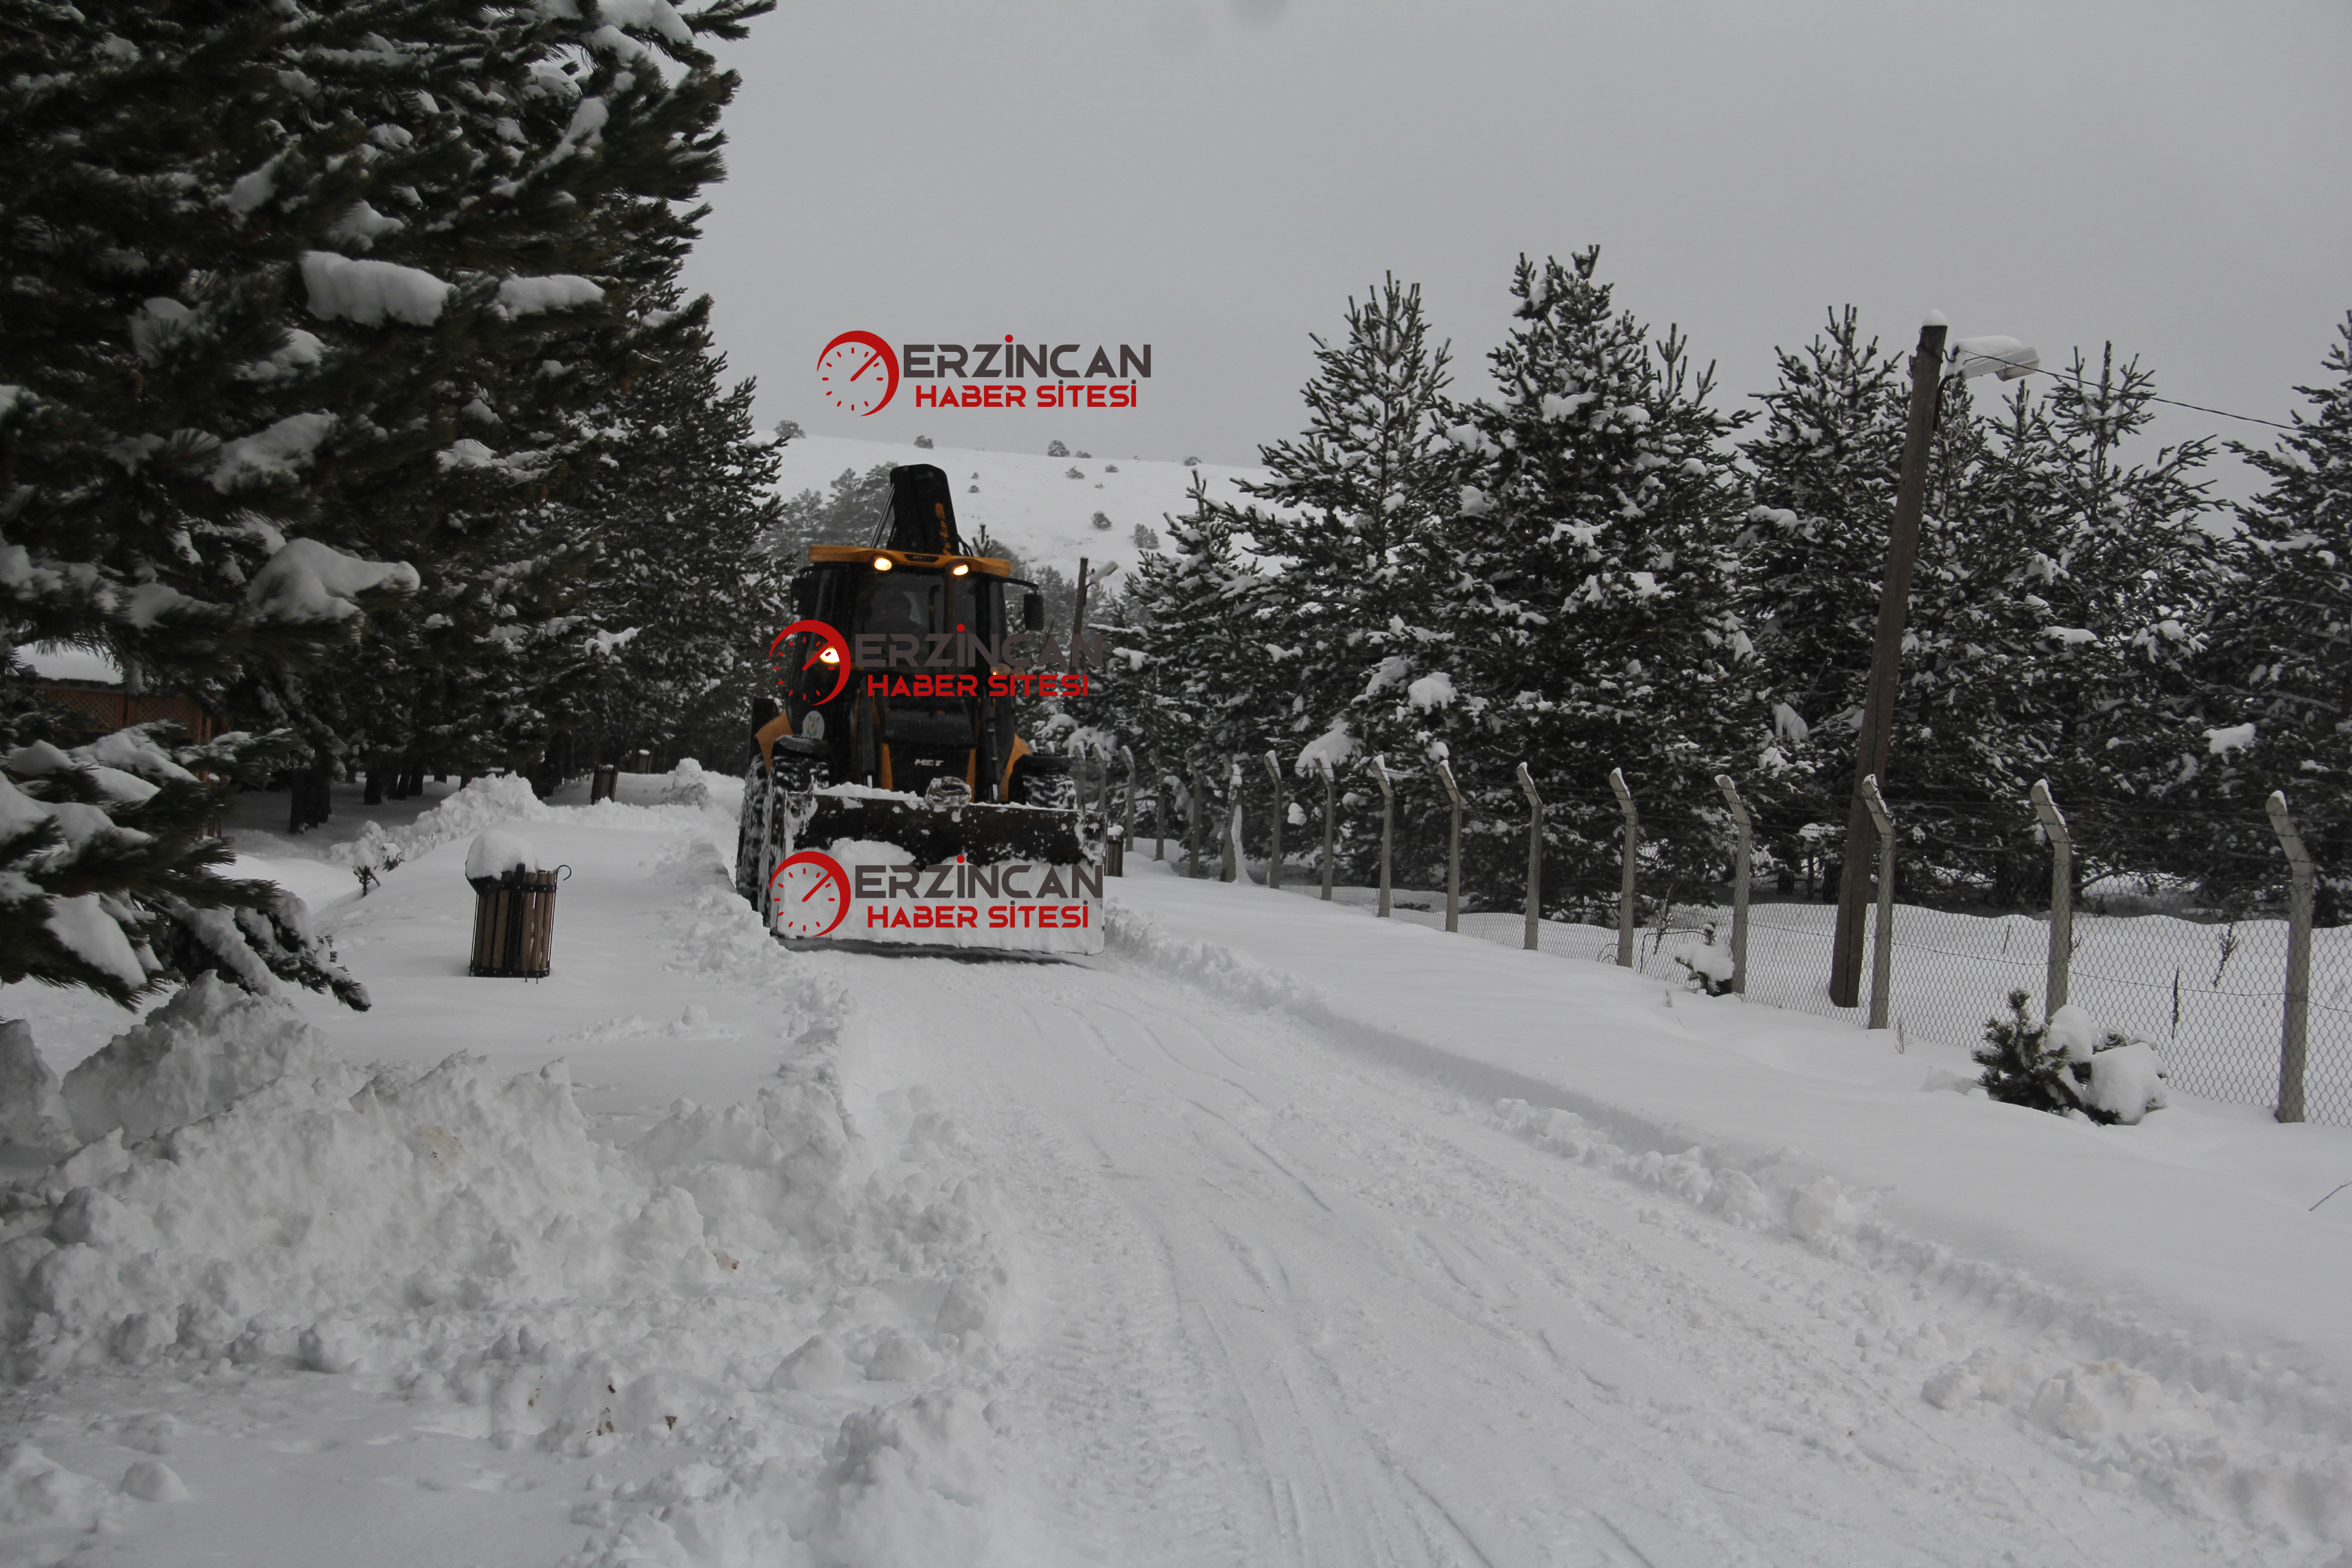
(855,865)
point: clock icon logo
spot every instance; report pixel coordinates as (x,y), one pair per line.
(858,372)
(809,894)
(828,649)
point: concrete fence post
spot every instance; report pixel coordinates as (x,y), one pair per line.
(1281,811)
(2062,896)
(1742,864)
(1229,859)
(1387,822)
(1882,944)
(2294,1016)
(1193,826)
(1453,848)
(1330,822)
(1627,939)
(1535,857)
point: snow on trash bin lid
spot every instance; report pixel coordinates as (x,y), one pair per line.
(494,854)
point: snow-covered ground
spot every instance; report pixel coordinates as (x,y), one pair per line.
(1027,500)
(1277,1234)
(2211,1010)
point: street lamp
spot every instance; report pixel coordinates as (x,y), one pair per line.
(1930,368)
(2004,357)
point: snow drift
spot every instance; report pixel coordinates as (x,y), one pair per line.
(722,1281)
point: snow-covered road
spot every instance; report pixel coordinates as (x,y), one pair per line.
(1274,1235)
(1293,1305)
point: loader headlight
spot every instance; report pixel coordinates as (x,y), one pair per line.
(959,569)
(828,657)
(881,564)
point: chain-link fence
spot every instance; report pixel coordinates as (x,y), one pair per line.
(2195,963)
(2209,992)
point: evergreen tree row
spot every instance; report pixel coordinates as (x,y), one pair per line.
(1595,568)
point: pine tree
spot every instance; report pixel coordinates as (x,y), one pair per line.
(2049,1066)
(2128,574)
(1827,462)
(284,283)
(686,588)
(161,436)
(2022,1065)
(555,241)
(164,428)
(1098,724)
(845,513)
(1202,685)
(1361,522)
(2279,657)
(2053,612)
(1611,514)
(2058,606)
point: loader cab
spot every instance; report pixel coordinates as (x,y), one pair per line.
(924,625)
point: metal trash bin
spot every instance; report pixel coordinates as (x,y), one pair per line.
(514,923)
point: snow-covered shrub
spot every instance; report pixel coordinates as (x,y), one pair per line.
(1055,450)
(924,442)
(1192,462)
(1075,473)
(1088,454)
(1710,967)
(2069,1064)
(1145,539)
(687,785)
(1100,519)
(2126,1081)
(1110,467)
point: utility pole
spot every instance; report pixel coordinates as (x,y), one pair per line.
(1886,665)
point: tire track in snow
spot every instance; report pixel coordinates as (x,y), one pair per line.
(1305,1311)
(1118,1431)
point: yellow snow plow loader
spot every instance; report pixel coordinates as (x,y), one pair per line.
(889,801)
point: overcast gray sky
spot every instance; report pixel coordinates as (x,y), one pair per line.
(1215,177)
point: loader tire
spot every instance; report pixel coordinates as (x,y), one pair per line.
(799,763)
(749,832)
(1045,781)
(798,767)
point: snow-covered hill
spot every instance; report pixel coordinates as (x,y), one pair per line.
(1027,500)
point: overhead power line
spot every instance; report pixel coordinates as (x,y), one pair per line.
(2169,402)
